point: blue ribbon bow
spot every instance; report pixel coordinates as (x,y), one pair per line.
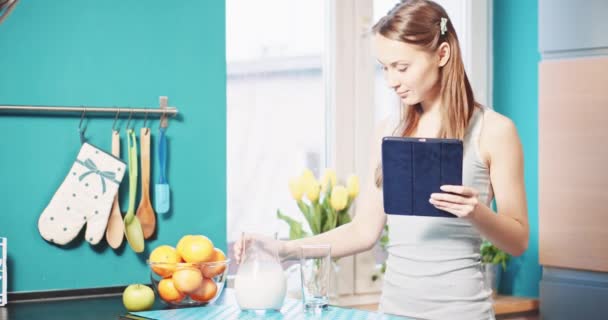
(89,164)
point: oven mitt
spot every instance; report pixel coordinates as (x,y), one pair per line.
(85,196)
(161,191)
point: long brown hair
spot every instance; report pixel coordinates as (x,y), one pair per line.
(418,22)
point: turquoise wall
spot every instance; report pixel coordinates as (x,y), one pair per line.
(516,60)
(115,52)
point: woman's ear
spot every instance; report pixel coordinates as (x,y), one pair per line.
(443,52)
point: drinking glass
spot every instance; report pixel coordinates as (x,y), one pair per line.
(315,264)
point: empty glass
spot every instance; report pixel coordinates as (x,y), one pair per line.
(315,264)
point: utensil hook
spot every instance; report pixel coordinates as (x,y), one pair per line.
(81,130)
(129,121)
(84,111)
(146,121)
(114,123)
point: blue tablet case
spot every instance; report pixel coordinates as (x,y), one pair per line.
(413,168)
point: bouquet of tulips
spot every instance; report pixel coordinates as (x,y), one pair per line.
(324,203)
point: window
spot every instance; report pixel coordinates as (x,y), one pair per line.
(276,114)
(386,102)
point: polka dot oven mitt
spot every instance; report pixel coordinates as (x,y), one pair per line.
(85,196)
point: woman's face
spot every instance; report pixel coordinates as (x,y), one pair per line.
(410,71)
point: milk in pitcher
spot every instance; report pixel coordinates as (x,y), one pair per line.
(260,283)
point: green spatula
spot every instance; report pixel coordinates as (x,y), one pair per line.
(133,231)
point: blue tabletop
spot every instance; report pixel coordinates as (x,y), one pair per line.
(111,307)
(227,309)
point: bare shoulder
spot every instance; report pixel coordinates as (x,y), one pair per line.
(497,125)
(498,136)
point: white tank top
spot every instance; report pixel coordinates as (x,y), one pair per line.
(433,267)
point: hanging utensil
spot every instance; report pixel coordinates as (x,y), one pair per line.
(133,230)
(145,213)
(162,194)
(116,227)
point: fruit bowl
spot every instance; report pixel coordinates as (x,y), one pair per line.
(187,283)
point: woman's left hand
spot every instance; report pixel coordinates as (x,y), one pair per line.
(461,201)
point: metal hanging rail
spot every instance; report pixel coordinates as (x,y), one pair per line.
(164,111)
(169,111)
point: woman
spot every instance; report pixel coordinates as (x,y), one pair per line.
(433,267)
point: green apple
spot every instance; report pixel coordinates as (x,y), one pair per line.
(138,297)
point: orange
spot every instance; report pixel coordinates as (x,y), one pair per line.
(206,292)
(187,280)
(168,292)
(195,248)
(163,260)
(211,271)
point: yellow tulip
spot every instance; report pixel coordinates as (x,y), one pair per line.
(296,188)
(339,198)
(353,186)
(307,177)
(328,179)
(310,186)
(312,191)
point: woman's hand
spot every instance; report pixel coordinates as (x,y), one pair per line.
(264,242)
(460,201)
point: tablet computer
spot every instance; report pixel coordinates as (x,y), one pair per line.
(413,168)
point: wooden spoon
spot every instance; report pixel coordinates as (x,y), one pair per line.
(116,227)
(145,212)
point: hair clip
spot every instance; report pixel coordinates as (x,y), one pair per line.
(444,25)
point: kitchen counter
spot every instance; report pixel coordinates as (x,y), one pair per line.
(90,308)
(111,307)
(87,308)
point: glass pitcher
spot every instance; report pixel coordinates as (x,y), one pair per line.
(260,283)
